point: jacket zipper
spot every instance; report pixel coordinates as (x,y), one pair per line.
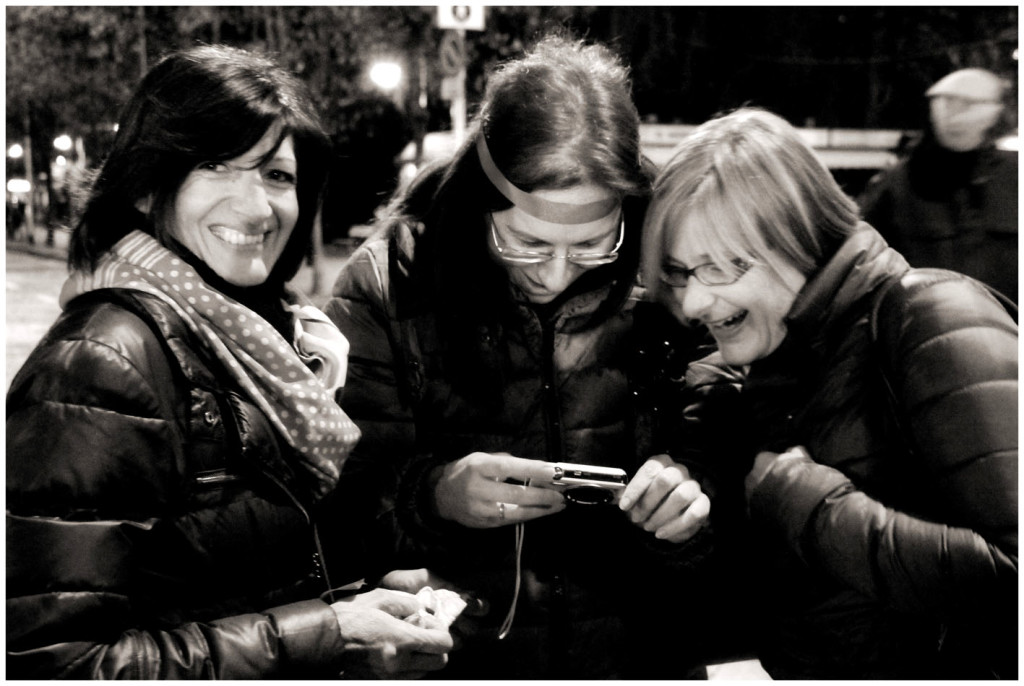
(552,411)
(559,624)
(319,563)
(319,567)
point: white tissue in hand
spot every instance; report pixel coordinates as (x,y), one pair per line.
(442,605)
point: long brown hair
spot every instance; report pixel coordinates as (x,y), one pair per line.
(559,116)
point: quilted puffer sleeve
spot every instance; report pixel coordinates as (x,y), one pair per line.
(378,401)
(954,367)
(93,464)
(385,495)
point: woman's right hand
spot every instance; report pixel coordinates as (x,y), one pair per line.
(380,644)
(473,490)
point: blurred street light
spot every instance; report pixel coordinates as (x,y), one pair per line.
(63,142)
(1011,142)
(386,75)
(18,186)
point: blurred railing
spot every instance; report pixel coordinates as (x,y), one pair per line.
(838,148)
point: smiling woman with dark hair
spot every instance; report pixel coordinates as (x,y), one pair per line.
(171,440)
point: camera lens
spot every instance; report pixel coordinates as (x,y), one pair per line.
(589,495)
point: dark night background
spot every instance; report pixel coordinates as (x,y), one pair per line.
(69,68)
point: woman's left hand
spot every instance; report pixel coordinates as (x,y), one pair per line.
(764,462)
(663,498)
(414,580)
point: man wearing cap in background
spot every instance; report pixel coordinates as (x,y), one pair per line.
(952,202)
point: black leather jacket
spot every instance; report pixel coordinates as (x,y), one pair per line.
(153,527)
(887,547)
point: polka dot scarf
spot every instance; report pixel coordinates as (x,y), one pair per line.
(298,401)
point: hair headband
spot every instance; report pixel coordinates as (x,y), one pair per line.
(546,210)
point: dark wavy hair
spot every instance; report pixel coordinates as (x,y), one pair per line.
(205,104)
(559,116)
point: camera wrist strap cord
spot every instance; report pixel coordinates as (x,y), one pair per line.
(506,626)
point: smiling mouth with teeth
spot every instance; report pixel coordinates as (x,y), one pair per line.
(240,238)
(729,322)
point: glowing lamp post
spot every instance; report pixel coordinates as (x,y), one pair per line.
(59,184)
(19,187)
(389,77)
(63,142)
(386,75)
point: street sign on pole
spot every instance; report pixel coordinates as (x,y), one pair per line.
(465,17)
(457,19)
(452,62)
(452,54)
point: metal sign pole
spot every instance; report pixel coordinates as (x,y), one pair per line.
(457,18)
(458,108)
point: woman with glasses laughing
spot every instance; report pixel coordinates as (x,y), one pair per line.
(882,485)
(494,350)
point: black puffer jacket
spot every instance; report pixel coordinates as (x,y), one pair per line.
(596,591)
(154,528)
(878,554)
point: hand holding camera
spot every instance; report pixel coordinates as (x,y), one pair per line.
(664,499)
(484,490)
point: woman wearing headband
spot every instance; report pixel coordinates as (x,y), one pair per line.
(492,324)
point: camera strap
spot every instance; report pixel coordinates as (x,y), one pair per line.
(506,626)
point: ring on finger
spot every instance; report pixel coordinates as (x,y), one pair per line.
(501,510)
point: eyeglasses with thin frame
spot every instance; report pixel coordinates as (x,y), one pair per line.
(709,273)
(580,259)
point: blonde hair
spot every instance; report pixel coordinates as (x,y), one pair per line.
(747,186)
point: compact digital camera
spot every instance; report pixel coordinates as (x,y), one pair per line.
(589,485)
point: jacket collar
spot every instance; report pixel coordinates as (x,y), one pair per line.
(576,312)
(862,263)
